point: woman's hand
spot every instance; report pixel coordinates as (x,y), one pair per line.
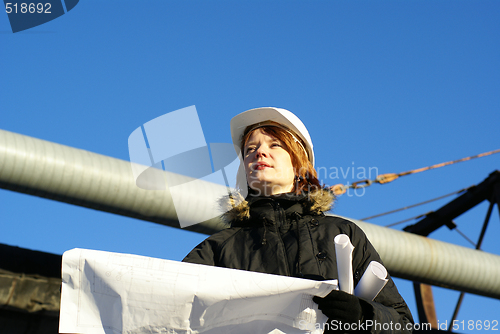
(342,306)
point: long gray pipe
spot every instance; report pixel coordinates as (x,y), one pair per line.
(79,177)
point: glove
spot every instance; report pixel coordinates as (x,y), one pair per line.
(342,306)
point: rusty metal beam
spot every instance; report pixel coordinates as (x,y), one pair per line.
(425,304)
(472,197)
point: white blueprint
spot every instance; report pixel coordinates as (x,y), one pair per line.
(105,292)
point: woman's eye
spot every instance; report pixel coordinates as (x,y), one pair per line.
(276,145)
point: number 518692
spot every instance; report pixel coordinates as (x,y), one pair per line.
(28,8)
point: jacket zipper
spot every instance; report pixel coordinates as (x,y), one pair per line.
(281,213)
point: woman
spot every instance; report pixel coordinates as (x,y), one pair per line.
(280,227)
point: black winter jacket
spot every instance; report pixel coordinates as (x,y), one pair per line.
(290,235)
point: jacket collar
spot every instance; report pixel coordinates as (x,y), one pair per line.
(239,210)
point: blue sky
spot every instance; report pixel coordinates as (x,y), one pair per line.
(387,85)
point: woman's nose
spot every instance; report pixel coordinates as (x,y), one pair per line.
(261,151)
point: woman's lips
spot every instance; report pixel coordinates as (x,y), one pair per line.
(261,166)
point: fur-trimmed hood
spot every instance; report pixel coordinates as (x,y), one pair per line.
(237,208)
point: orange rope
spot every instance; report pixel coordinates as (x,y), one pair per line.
(340,189)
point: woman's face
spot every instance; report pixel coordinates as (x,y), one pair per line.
(268,165)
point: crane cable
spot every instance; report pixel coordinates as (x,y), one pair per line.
(424,214)
(340,189)
(415,205)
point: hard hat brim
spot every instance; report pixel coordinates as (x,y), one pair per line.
(281,116)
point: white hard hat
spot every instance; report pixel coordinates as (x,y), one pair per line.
(281,116)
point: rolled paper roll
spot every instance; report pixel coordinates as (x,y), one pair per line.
(373,281)
(343,249)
